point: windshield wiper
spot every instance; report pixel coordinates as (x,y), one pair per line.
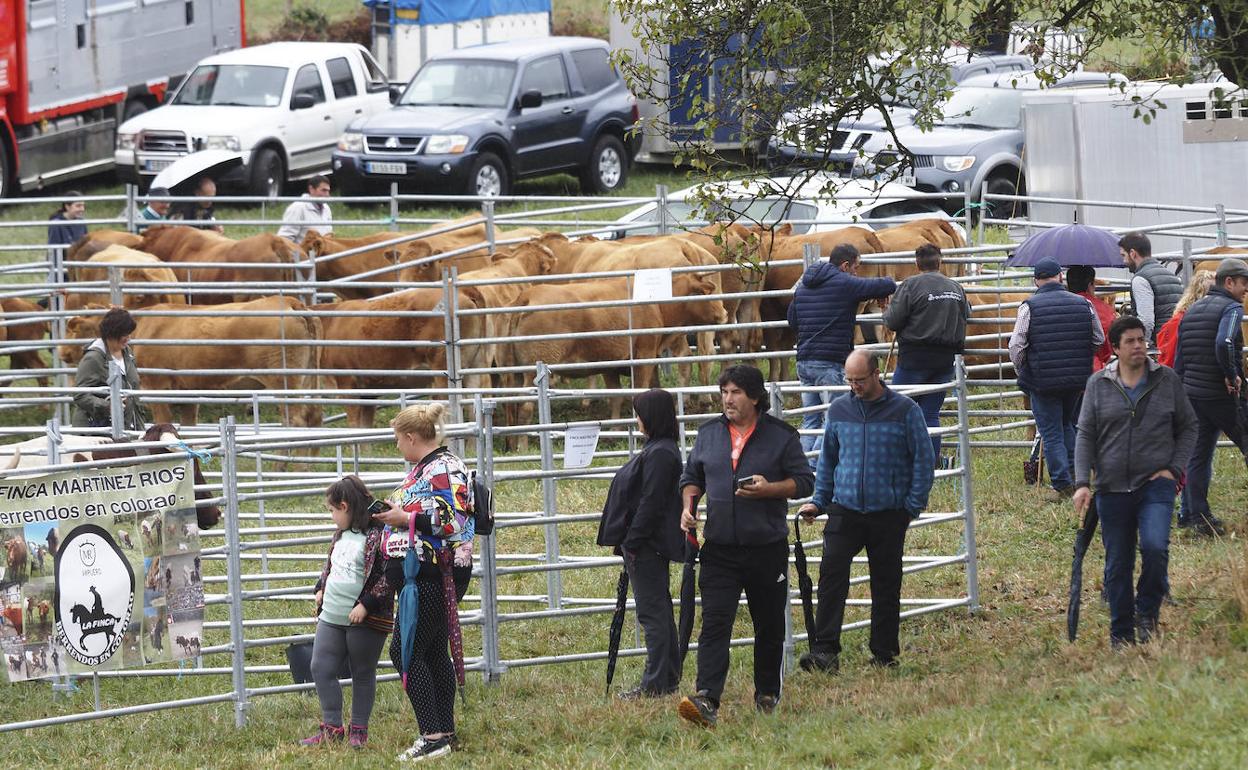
(982,126)
(232,104)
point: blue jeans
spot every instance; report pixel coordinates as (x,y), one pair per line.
(1144,513)
(930,403)
(1056,413)
(814,373)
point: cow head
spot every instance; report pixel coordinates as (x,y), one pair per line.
(313,244)
(86,327)
(702,311)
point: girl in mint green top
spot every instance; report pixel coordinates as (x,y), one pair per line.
(355,609)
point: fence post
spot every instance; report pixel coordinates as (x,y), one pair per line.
(487,211)
(1221,212)
(810,255)
(53,431)
(494,668)
(1187,261)
(790,645)
(234,567)
(968,500)
(255,424)
(132,207)
(450,288)
(660,194)
(394,206)
(56,304)
(554,578)
(114,286)
(966,216)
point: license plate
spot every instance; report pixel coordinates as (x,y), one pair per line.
(907,180)
(156,165)
(387,168)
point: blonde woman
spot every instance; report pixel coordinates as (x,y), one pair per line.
(1168,337)
(431,527)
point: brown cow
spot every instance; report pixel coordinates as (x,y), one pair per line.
(30,331)
(185,245)
(450,241)
(528,259)
(250,365)
(573,320)
(382,328)
(317,245)
(97,240)
(789,247)
(155,272)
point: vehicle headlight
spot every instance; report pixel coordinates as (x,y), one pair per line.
(351,141)
(446,144)
(126,141)
(222,143)
(955,163)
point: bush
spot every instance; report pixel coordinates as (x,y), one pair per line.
(307,23)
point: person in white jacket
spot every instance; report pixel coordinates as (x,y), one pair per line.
(308,213)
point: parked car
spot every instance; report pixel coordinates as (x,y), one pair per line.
(977,146)
(281,107)
(862,202)
(840,144)
(474,120)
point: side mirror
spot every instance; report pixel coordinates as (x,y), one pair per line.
(302,101)
(530,99)
(395,93)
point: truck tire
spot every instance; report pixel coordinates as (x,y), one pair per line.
(268,174)
(134,108)
(607,170)
(8,185)
(1002,185)
(488,176)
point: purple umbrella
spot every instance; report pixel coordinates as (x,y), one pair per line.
(1069,245)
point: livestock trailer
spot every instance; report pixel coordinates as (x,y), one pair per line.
(1092,145)
(407,32)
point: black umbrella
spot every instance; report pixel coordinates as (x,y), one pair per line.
(617,626)
(1083,538)
(688,587)
(804,586)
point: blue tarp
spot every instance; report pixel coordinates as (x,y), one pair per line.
(448,11)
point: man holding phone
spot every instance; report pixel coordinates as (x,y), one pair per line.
(874,477)
(748,464)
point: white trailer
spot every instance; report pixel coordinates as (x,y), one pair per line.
(1091,145)
(407,32)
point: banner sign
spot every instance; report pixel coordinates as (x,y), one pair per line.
(99,570)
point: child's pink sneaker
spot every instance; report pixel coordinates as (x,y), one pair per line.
(358,736)
(324,734)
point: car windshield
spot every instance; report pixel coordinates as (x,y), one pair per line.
(238,85)
(461,84)
(994,108)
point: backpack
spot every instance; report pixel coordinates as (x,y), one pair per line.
(482,505)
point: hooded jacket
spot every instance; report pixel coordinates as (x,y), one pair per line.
(642,511)
(92,410)
(824,305)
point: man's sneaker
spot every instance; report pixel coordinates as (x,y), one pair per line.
(424,749)
(766,704)
(884,662)
(324,734)
(1145,629)
(698,709)
(1052,495)
(357,736)
(819,661)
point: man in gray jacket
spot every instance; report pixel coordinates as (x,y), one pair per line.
(928,313)
(1136,431)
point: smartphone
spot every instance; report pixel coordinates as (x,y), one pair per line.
(378,505)
(746,481)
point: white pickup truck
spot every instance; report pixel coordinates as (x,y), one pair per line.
(281,107)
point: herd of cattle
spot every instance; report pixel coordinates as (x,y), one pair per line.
(296,346)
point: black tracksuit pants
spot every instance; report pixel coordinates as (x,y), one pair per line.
(763,573)
(847,532)
(650,574)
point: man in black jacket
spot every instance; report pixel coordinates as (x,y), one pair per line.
(929,313)
(748,464)
(1210,361)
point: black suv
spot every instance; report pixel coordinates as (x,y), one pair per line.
(475,119)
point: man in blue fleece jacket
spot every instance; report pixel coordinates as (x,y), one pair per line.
(874,476)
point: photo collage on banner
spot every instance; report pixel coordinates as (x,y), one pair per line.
(99,570)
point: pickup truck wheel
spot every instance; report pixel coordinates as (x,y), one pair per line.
(268,174)
(1002,185)
(608,166)
(6,170)
(488,177)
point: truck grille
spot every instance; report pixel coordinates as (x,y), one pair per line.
(394,145)
(164,141)
(886,159)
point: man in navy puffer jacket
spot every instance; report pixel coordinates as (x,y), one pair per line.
(874,476)
(821,314)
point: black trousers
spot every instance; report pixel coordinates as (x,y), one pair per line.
(430,684)
(763,573)
(883,534)
(650,575)
(1213,417)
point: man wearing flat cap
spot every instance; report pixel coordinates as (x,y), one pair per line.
(1055,336)
(1210,361)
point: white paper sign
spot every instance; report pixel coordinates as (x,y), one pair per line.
(653,283)
(579,444)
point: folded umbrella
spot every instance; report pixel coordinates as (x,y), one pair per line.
(409,602)
(1083,538)
(688,589)
(617,625)
(446,559)
(804,586)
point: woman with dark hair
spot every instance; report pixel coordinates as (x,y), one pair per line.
(111,349)
(65,227)
(642,519)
